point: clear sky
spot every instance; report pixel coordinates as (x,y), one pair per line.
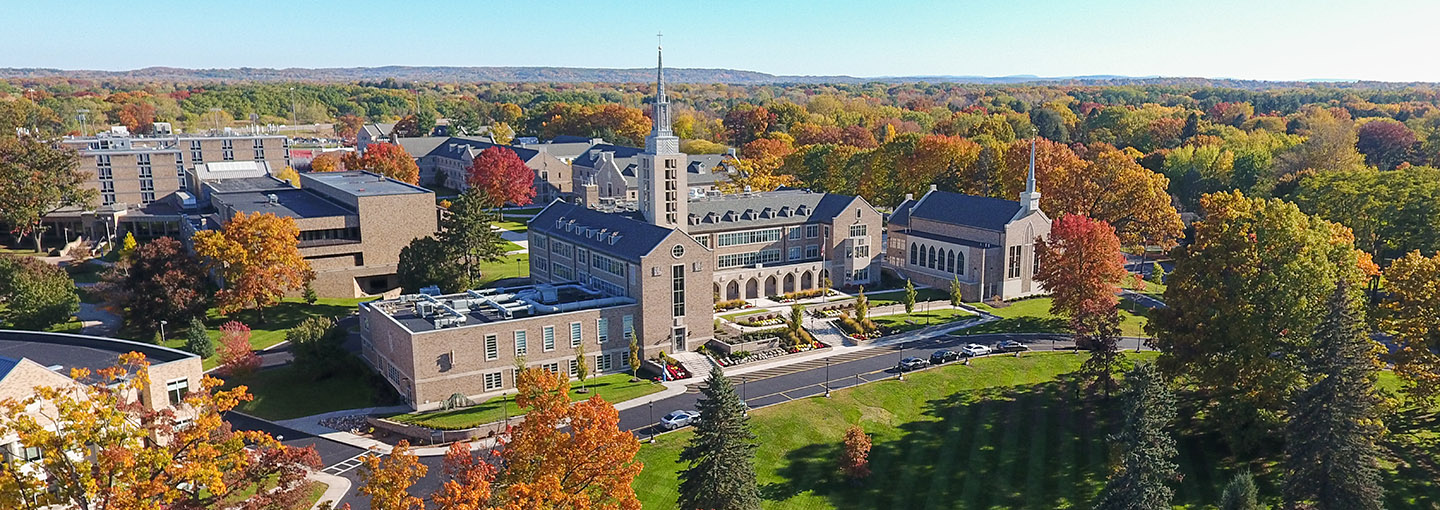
(1391,40)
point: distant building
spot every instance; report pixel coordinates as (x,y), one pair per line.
(988,244)
(381,132)
(604,175)
(352,224)
(448,164)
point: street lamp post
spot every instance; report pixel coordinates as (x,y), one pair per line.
(827,377)
(652,421)
(162,330)
(900,367)
(743,379)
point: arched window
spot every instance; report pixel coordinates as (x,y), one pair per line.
(949,261)
(912,254)
(932,257)
(960,262)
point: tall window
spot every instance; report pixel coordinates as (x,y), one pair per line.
(627,326)
(960,262)
(1014,262)
(795,233)
(520,347)
(574,334)
(492,348)
(677,286)
(1035,267)
(177,390)
(602,330)
(949,261)
(548,337)
(857,230)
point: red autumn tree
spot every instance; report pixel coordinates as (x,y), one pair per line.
(468,480)
(1081,266)
(745,122)
(347,126)
(386,159)
(236,358)
(503,177)
(1384,142)
(855,458)
(590,464)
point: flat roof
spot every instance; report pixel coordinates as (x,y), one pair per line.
(243,184)
(79,351)
(295,203)
(365,184)
(420,313)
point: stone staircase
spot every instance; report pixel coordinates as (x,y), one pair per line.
(829,333)
(697,364)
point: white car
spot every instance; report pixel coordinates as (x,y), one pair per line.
(677,419)
(975,350)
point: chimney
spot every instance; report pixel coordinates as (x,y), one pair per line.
(909,197)
(932,187)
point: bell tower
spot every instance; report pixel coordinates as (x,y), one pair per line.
(663,187)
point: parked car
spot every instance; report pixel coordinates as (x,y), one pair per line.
(1010,346)
(975,350)
(677,419)
(943,356)
(912,363)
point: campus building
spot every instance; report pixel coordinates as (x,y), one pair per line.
(448,162)
(987,244)
(352,224)
(598,276)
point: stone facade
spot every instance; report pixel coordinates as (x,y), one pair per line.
(139,170)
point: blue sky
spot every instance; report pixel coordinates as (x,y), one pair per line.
(1259,39)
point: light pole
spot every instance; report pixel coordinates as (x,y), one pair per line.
(900,367)
(162,330)
(743,379)
(827,377)
(652,421)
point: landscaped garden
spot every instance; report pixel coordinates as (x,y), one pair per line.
(1004,432)
(900,323)
(263,334)
(613,388)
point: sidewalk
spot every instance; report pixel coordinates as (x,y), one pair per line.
(335,488)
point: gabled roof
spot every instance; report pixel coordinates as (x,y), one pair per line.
(621,153)
(455,147)
(959,209)
(707,169)
(419,146)
(376,130)
(901,216)
(593,230)
(772,208)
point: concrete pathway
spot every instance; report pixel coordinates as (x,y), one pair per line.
(336,487)
(97,321)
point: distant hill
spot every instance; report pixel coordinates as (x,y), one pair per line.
(637,75)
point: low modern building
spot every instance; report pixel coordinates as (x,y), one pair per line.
(988,244)
(352,224)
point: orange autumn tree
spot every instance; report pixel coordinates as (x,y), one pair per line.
(327,162)
(590,464)
(387,480)
(468,480)
(258,255)
(236,357)
(1082,267)
(386,159)
(139,458)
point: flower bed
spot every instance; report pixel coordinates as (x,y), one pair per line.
(742,357)
(830,311)
(732,305)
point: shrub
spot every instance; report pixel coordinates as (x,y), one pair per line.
(730,305)
(197,340)
(236,358)
(855,457)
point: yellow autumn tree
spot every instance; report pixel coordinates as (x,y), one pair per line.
(258,256)
(289,175)
(100,447)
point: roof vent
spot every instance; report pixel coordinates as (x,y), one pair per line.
(272,198)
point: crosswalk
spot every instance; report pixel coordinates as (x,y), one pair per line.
(345,465)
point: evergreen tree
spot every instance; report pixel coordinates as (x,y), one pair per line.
(1330,452)
(1240,493)
(1157,273)
(1102,338)
(721,455)
(468,235)
(956,296)
(909,296)
(1145,463)
(197,340)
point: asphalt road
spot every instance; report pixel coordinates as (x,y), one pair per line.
(778,385)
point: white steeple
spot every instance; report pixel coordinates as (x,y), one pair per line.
(1030,199)
(661,140)
(663,183)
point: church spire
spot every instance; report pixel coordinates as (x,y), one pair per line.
(1030,199)
(661,131)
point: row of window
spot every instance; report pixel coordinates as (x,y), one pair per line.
(603,362)
(768,235)
(949,261)
(747,259)
(547,337)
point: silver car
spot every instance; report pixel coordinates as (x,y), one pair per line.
(975,350)
(677,419)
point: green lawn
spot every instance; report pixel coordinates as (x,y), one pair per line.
(613,388)
(1002,433)
(510,266)
(271,331)
(894,297)
(900,323)
(510,246)
(749,311)
(518,227)
(1033,316)
(284,392)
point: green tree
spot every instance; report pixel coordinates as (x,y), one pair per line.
(1241,305)
(1146,448)
(1331,458)
(425,262)
(1157,273)
(36,179)
(862,306)
(582,369)
(197,339)
(35,295)
(909,299)
(957,297)
(634,356)
(720,457)
(1240,493)
(310,296)
(318,347)
(468,235)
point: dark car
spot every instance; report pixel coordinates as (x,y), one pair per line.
(1010,346)
(912,363)
(942,357)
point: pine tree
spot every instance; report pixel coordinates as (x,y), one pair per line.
(721,455)
(909,296)
(1157,273)
(1240,493)
(956,296)
(197,340)
(1330,452)
(468,235)
(1145,465)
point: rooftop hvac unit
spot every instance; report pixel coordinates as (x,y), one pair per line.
(433,290)
(273,198)
(424,308)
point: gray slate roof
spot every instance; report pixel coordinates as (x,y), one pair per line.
(980,212)
(756,210)
(418,146)
(454,147)
(623,154)
(636,237)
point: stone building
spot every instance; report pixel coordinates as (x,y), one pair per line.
(448,164)
(988,244)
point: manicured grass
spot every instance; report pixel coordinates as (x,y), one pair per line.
(518,227)
(509,266)
(21,251)
(1033,316)
(279,318)
(74,326)
(510,246)
(613,388)
(1004,432)
(749,311)
(895,297)
(285,392)
(900,323)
